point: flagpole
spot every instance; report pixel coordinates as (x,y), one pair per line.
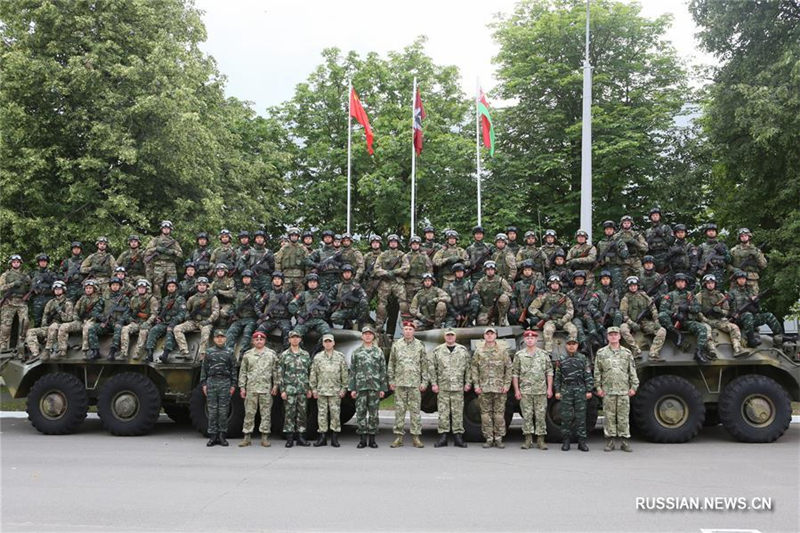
(586,139)
(478,144)
(413,155)
(349,141)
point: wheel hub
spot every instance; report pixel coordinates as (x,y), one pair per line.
(758,411)
(125,405)
(53,405)
(671,411)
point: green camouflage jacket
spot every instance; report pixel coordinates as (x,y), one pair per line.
(615,370)
(329,373)
(573,371)
(532,370)
(491,367)
(218,367)
(368,370)
(449,370)
(295,368)
(408,364)
(260,371)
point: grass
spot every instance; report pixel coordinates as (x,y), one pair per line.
(387,403)
(9,404)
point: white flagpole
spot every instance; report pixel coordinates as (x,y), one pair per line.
(586,139)
(478,145)
(349,141)
(413,154)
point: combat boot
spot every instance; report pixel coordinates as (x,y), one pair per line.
(777,340)
(212,440)
(498,442)
(362,443)
(221,439)
(625,446)
(397,442)
(112,353)
(609,445)
(372,443)
(322,440)
(753,339)
(334,439)
(265,441)
(416,442)
(149,358)
(45,355)
(582,446)
(565,445)
(655,359)
(245,441)
(540,443)
(442,441)
(678,339)
(458,440)
(301,440)
(528,444)
(289,440)
(489,443)
(94,355)
(711,353)
(700,357)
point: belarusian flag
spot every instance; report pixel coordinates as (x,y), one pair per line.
(358,113)
(486,122)
(419,114)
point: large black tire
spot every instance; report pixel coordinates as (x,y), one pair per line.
(668,409)
(57,404)
(553,419)
(472,418)
(199,413)
(348,410)
(178,413)
(755,408)
(129,404)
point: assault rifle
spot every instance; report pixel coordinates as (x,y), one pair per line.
(302,319)
(523,316)
(654,289)
(115,308)
(611,303)
(152,255)
(612,247)
(323,265)
(73,272)
(479,262)
(350,297)
(751,305)
(162,315)
(281,300)
(717,253)
(550,311)
(235,314)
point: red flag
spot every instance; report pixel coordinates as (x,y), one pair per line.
(419,114)
(358,113)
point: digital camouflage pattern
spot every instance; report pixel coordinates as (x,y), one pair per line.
(295,370)
(368,378)
(218,374)
(258,375)
(532,371)
(449,371)
(615,375)
(573,379)
(328,380)
(407,372)
(490,371)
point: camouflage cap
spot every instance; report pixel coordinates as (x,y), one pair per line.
(490,329)
(572,340)
(327,337)
(295,333)
(449,331)
(368,329)
(219,332)
(612,329)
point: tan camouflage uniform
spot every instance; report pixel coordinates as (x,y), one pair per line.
(14,284)
(328,380)
(631,306)
(144,311)
(449,370)
(532,371)
(407,372)
(615,375)
(258,376)
(490,371)
(59,310)
(202,310)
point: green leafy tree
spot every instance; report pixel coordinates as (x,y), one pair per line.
(639,86)
(752,119)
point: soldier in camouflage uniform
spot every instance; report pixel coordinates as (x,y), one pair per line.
(326,262)
(429,247)
(530,252)
(678,313)
(70,269)
(171,312)
(260,261)
(463,306)
(143,313)
(573,388)
(651,282)
(310,308)
(549,248)
(513,244)
(554,310)
(681,257)
(291,260)
(308,241)
(449,373)
(187,286)
(582,256)
(41,288)
(494,297)
(99,265)
(490,374)
(636,244)
(128,286)
(504,259)
(608,298)
(418,264)
(584,301)
(59,310)
(218,380)
(241,257)
(273,309)
(224,288)
(202,310)
(532,378)
(295,364)
(225,253)
(525,290)
(351,256)
(133,258)
(328,382)
(369,280)
(747,257)
(259,379)
(713,256)
(558,267)
(87,312)
(477,253)
(659,237)
(747,314)
(116,314)
(408,378)
(715,311)
(349,301)
(429,304)
(201,256)
(160,256)
(448,255)
(639,313)
(612,253)
(616,381)
(368,386)
(391,268)
(243,318)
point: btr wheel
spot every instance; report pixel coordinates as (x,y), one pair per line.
(472,418)
(178,413)
(553,419)
(668,409)
(129,404)
(755,408)
(198,411)
(57,404)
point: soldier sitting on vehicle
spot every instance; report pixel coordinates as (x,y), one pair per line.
(749,316)
(715,311)
(526,289)
(243,315)
(273,308)
(349,301)
(171,312)
(639,313)
(463,306)
(493,294)
(310,308)
(554,310)
(429,305)
(678,314)
(57,311)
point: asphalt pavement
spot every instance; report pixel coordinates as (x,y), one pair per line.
(170,481)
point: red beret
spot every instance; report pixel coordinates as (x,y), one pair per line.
(530,333)
(259,334)
(409,323)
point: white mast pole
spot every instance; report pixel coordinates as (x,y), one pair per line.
(586,140)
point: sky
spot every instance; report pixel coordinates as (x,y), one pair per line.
(266,47)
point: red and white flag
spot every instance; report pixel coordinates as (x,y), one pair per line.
(358,113)
(419,114)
